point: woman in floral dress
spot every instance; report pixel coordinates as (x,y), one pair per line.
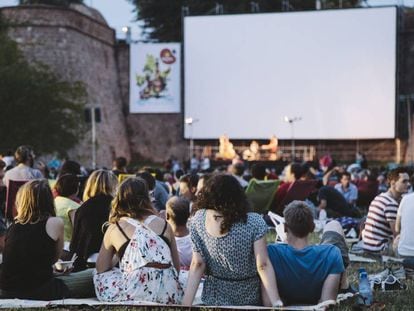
(146,249)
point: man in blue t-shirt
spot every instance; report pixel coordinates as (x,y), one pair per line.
(306,274)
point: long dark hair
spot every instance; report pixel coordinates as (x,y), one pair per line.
(223,193)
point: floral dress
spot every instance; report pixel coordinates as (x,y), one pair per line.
(133,280)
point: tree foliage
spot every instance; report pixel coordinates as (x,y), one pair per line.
(162,18)
(37,108)
(50,2)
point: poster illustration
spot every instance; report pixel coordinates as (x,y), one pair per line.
(155,78)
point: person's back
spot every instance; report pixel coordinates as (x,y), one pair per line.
(24,170)
(405,219)
(305,274)
(177,213)
(28,257)
(301,273)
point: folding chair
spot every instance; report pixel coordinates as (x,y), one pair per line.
(122,177)
(260,194)
(279,223)
(299,190)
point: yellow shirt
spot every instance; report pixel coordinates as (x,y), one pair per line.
(63,207)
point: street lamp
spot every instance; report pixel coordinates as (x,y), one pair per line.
(127,31)
(190,121)
(292,121)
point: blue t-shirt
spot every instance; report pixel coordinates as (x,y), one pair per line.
(300,274)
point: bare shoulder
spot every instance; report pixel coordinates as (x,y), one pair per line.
(157,225)
(54,222)
(54,227)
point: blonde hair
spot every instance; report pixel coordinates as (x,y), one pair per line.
(100,182)
(131,200)
(34,202)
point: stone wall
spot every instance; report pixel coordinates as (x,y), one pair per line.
(77,44)
(153,137)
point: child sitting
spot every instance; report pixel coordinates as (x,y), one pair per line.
(178,211)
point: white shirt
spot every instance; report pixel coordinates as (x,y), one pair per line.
(406,212)
(184,250)
(21,172)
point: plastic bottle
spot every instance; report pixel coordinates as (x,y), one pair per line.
(365,291)
(322,218)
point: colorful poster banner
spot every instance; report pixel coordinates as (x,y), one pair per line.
(155,78)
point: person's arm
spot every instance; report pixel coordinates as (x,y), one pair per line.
(322,204)
(55,229)
(266,272)
(197,268)
(173,247)
(71,215)
(398,225)
(330,287)
(393,228)
(106,253)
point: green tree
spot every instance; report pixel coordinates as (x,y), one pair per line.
(162,18)
(50,2)
(36,107)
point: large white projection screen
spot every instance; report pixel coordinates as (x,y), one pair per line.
(334,69)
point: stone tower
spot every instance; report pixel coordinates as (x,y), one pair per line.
(78,45)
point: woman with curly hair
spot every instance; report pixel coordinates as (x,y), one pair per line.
(229,246)
(144,245)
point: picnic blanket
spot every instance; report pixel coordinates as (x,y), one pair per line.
(25,303)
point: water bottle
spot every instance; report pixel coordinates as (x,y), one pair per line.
(365,291)
(322,218)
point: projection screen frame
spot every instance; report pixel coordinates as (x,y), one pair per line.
(396,120)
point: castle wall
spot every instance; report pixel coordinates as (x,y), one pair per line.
(77,47)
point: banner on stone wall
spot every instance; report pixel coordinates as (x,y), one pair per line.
(155,78)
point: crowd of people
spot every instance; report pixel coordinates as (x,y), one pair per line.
(157,236)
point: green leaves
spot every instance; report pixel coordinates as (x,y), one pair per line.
(36,107)
(162,19)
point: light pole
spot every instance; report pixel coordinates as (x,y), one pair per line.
(190,121)
(292,121)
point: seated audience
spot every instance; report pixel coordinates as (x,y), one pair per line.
(229,246)
(119,166)
(177,213)
(293,172)
(145,247)
(33,244)
(66,187)
(24,170)
(379,230)
(258,171)
(188,187)
(237,171)
(306,274)
(158,190)
(348,190)
(91,215)
(335,204)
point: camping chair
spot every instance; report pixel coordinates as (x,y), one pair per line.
(299,190)
(279,223)
(10,210)
(122,177)
(260,194)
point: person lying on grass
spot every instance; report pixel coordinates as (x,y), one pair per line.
(306,274)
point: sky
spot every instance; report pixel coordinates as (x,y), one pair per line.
(119,13)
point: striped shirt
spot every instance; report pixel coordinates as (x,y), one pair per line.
(377,232)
